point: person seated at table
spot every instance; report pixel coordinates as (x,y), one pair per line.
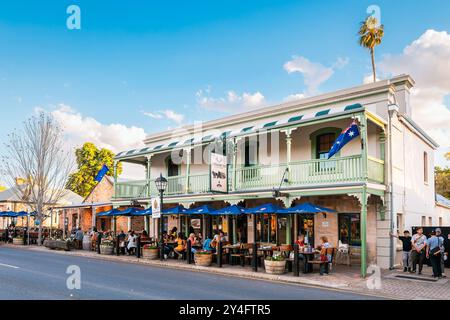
(193,240)
(79,235)
(132,243)
(200,238)
(173,232)
(144,236)
(223,237)
(207,245)
(300,240)
(108,236)
(181,245)
(121,238)
(323,253)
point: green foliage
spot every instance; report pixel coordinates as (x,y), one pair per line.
(90,160)
(442,181)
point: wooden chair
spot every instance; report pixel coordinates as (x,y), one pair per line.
(286,250)
(248,254)
(237,256)
(329,251)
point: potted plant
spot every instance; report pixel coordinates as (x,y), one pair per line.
(107,247)
(203,258)
(275,264)
(150,252)
(19,241)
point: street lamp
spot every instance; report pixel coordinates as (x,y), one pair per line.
(161,184)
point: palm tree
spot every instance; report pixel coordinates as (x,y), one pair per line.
(370,35)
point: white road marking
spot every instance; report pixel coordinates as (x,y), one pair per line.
(8,266)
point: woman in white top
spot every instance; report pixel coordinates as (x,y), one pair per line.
(132,242)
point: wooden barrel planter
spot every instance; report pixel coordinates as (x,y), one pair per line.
(19,241)
(106,249)
(275,267)
(150,253)
(58,244)
(203,259)
(87,243)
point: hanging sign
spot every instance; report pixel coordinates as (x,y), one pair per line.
(218,173)
(156,208)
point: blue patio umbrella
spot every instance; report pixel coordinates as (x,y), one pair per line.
(201,210)
(265,208)
(140,213)
(305,208)
(105,213)
(233,210)
(8,214)
(123,213)
(176,210)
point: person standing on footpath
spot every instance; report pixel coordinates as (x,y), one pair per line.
(434,254)
(406,248)
(419,244)
(444,255)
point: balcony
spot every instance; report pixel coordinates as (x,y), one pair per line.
(300,174)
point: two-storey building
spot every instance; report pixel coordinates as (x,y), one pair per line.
(378,180)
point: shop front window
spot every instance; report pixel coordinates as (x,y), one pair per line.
(350,229)
(306,228)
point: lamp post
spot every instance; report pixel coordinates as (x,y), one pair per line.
(161,184)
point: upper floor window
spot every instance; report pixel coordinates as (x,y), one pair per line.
(425,167)
(251,153)
(322,140)
(323,144)
(173,169)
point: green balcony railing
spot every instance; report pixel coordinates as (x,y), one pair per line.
(375,168)
(334,170)
(301,173)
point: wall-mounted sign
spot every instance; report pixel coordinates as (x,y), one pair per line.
(325,224)
(218,173)
(196,223)
(156,208)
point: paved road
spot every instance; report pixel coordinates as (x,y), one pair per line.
(40,275)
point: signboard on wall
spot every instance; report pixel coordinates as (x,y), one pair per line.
(196,223)
(156,208)
(218,173)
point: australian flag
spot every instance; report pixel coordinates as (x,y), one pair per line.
(346,135)
(102,173)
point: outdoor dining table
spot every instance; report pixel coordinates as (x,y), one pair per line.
(307,268)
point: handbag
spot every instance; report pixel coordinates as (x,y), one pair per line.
(435,251)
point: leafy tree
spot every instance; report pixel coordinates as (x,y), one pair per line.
(371,33)
(90,160)
(442,181)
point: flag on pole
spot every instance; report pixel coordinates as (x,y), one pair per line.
(102,173)
(346,135)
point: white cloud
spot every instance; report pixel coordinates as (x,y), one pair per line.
(293,97)
(427,60)
(79,129)
(314,74)
(169,114)
(232,102)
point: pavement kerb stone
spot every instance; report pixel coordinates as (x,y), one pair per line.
(213,270)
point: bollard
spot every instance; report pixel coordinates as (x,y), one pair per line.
(255,257)
(117,246)
(138,247)
(188,252)
(219,254)
(295,267)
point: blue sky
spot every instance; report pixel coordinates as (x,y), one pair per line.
(134,61)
